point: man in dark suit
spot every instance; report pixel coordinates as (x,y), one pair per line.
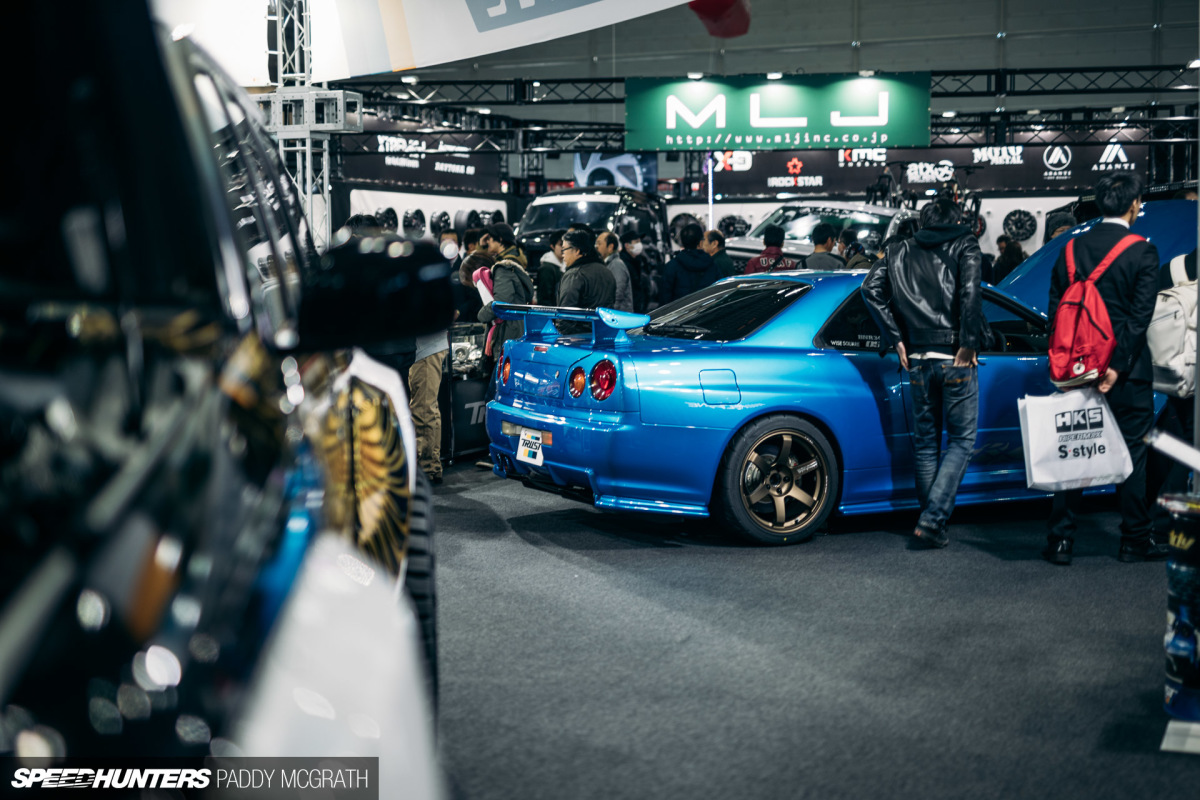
(1128,289)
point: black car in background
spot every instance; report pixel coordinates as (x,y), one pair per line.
(184,412)
(603,209)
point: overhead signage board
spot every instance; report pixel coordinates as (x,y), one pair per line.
(799,112)
(395,152)
(850,170)
(353,38)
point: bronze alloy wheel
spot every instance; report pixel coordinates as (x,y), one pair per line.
(784,482)
(779,481)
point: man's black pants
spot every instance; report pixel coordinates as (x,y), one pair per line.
(1132,404)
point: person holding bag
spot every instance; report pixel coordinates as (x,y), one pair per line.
(1128,286)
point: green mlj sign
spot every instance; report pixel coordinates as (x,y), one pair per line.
(799,112)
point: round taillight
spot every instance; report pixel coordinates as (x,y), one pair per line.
(604,380)
(577,383)
(505,370)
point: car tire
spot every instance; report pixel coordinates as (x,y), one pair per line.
(760,483)
(419,576)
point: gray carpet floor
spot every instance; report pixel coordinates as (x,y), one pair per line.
(590,655)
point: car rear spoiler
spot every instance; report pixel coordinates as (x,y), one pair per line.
(608,325)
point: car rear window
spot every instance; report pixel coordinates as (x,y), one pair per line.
(724,312)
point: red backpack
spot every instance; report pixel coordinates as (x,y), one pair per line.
(1082,340)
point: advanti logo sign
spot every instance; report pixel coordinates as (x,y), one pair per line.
(1057,159)
(1112,159)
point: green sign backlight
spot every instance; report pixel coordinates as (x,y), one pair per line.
(797,113)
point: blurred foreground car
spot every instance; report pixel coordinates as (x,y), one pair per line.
(764,400)
(167,336)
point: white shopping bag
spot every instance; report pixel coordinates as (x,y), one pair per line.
(1072,442)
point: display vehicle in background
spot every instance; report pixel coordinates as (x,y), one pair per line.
(798,218)
(211,521)
(603,209)
(765,400)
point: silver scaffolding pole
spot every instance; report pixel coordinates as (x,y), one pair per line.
(299,114)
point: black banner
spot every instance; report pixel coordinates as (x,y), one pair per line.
(345,778)
(398,152)
(1048,168)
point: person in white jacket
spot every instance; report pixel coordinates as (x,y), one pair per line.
(609,248)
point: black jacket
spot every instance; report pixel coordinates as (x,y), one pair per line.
(1129,289)
(689,271)
(927,302)
(587,284)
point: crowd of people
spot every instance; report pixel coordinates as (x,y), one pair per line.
(924,290)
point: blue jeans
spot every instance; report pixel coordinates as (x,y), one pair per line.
(941,392)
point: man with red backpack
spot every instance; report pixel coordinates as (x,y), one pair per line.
(1127,287)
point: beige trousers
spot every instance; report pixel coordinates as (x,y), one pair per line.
(424,380)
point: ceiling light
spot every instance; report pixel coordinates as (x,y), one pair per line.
(483,111)
(1194,63)
(774,76)
(1118,109)
(695,76)
(536,84)
(866,73)
(409,79)
(949,114)
(1033,112)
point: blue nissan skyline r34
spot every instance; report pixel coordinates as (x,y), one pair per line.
(764,399)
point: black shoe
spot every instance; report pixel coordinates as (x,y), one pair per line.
(930,539)
(437,481)
(1058,551)
(1148,550)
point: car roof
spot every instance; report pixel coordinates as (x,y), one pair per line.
(1170,225)
(846,205)
(590,190)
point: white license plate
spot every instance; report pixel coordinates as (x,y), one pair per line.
(529,447)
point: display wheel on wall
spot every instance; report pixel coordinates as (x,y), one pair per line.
(978,225)
(388,220)
(733,225)
(439,221)
(1020,225)
(465,220)
(680,222)
(414,223)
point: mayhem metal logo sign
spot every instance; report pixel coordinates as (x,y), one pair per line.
(803,112)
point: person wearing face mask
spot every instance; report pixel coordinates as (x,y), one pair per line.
(639,270)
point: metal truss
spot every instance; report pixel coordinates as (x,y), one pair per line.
(1142,124)
(1090,81)
(293,53)
(407,88)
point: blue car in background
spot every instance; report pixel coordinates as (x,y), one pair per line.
(763,399)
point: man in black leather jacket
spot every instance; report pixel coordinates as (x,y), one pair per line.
(925,294)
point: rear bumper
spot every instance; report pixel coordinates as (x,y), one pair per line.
(600,460)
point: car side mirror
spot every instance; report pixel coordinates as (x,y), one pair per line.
(373,292)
